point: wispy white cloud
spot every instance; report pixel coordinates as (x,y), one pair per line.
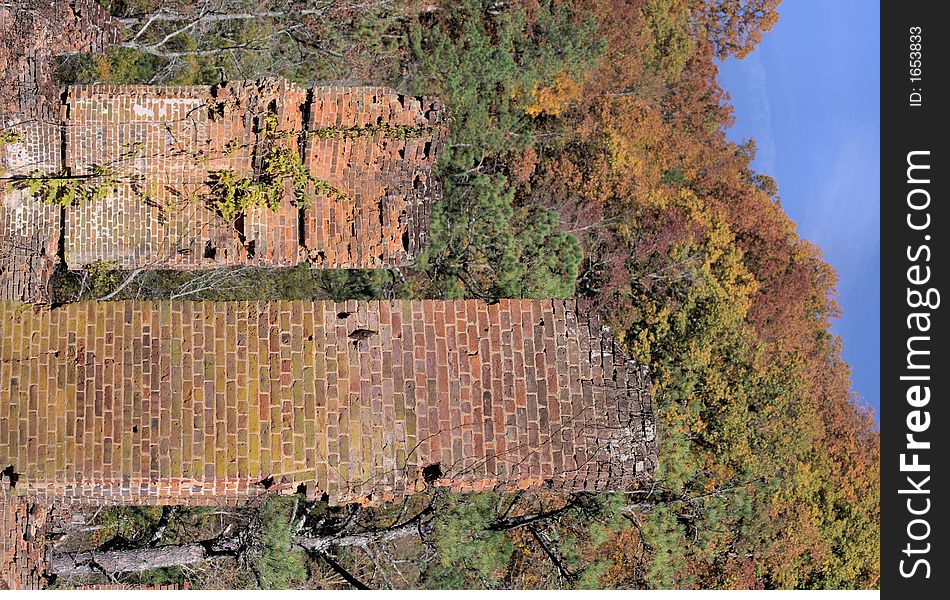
(844,215)
(760,111)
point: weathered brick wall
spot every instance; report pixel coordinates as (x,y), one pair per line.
(29,229)
(160,146)
(29,242)
(32,32)
(162,143)
(199,402)
(22,541)
(390,180)
(37,147)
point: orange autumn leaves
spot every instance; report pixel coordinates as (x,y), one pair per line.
(691,254)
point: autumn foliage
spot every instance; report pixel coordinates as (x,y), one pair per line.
(768,469)
(769,466)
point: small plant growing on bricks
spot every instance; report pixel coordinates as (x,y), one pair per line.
(9,137)
(384,130)
(65,189)
(232,195)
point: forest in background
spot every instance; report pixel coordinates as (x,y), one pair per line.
(587,156)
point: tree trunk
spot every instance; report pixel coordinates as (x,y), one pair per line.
(364,539)
(124,561)
(69,565)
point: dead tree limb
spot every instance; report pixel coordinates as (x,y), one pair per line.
(320,544)
(551,550)
(339,570)
(68,565)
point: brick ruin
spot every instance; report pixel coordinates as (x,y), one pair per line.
(162,147)
(181,402)
(208,403)
(178,137)
(25,527)
(212,403)
(32,34)
(22,541)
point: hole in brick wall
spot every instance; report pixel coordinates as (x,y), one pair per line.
(301,228)
(251,248)
(266,483)
(239,226)
(305,108)
(11,476)
(135,429)
(302,489)
(432,472)
(405,241)
(64,100)
(362,334)
(427,149)
(210,251)
(342,315)
(402,153)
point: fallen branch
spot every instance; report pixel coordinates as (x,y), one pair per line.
(68,565)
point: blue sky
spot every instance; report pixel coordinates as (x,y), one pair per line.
(810,96)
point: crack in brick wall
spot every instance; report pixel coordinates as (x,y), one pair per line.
(179,402)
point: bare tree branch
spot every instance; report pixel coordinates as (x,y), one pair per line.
(338,568)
